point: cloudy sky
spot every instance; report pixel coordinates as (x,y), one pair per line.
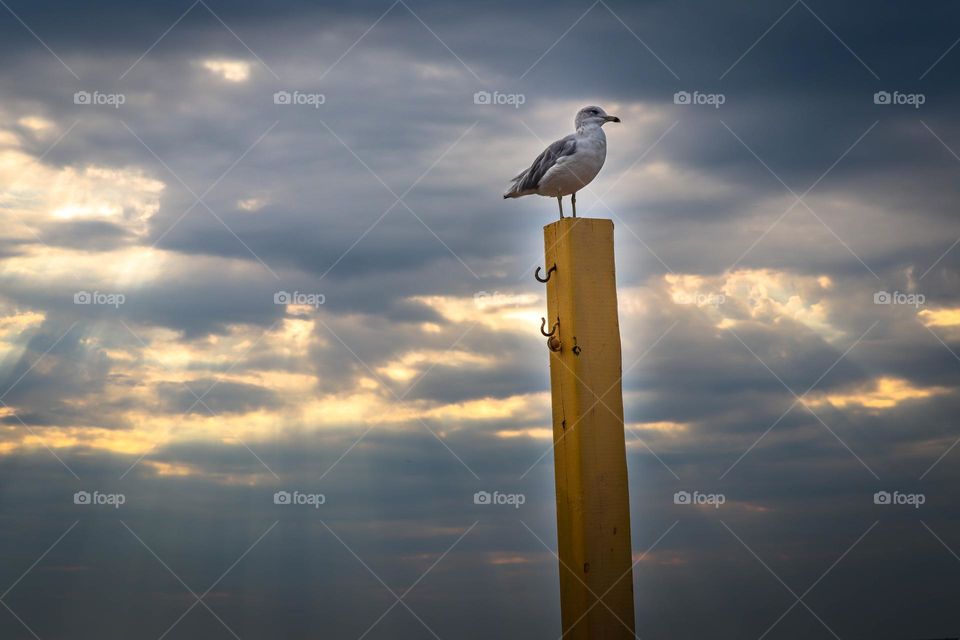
(251,247)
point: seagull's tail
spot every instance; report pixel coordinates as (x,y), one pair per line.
(515,191)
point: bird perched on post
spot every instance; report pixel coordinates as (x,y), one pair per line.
(569,164)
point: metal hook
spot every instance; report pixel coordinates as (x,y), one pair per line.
(549,271)
(553,329)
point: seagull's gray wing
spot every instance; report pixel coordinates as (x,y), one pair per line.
(530,179)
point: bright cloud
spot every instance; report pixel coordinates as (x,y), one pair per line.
(946,317)
(35,193)
(883,393)
(229,70)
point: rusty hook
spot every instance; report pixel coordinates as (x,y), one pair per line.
(549,271)
(553,329)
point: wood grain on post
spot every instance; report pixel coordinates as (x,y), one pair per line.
(593,507)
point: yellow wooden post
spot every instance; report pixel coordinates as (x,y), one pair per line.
(593,507)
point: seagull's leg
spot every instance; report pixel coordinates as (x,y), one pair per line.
(560,204)
(573,200)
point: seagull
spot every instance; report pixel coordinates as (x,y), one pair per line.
(569,164)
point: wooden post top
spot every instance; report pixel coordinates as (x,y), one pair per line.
(566,223)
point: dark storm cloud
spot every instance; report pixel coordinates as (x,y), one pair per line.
(55,393)
(802,498)
(87,235)
(223,397)
(832,110)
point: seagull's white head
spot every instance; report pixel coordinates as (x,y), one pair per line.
(593,116)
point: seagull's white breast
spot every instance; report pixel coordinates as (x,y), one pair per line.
(574,172)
